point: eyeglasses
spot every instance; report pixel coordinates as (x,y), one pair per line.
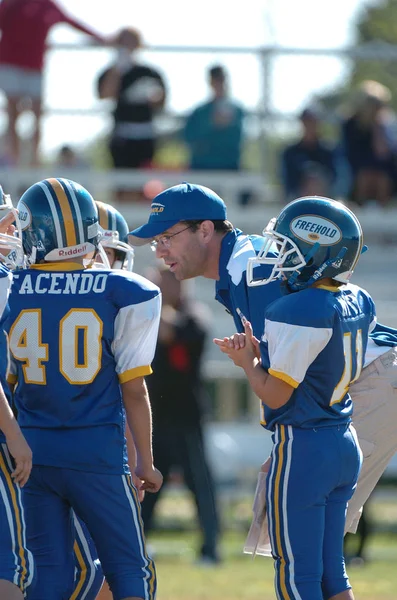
(165,240)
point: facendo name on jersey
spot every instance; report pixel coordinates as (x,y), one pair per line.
(62,283)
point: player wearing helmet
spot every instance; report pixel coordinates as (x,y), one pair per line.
(312,349)
(89,577)
(70,331)
(115,237)
(189,226)
(16,564)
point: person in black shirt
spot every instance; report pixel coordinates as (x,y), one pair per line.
(370,144)
(308,166)
(140,92)
(175,389)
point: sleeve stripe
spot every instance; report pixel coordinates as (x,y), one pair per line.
(134,373)
(12,378)
(284,377)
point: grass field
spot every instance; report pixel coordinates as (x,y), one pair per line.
(241,578)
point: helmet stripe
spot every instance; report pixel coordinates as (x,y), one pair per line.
(66,212)
(103,216)
(114,221)
(72,193)
(54,214)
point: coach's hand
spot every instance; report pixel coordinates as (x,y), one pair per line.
(151,478)
(22,454)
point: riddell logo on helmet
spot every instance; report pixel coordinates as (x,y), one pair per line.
(73,251)
(312,229)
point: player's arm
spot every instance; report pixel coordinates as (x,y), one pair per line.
(16,442)
(291,350)
(137,408)
(243,349)
(272,391)
(140,323)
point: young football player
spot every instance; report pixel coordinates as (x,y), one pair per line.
(78,376)
(115,237)
(312,349)
(189,227)
(16,561)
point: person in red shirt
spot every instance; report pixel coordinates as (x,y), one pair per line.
(24,28)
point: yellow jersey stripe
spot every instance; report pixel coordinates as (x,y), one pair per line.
(12,378)
(21,549)
(66,211)
(54,266)
(284,377)
(83,571)
(103,216)
(330,288)
(134,373)
(277,513)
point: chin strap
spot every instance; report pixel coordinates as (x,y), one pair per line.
(334,262)
(295,274)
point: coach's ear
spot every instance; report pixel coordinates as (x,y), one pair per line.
(207,230)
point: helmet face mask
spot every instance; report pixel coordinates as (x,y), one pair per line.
(316,238)
(11,251)
(114,231)
(277,251)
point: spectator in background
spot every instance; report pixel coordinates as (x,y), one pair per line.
(175,389)
(139,91)
(24,27)
(370,145)
(68,158)
(309,165)
(213,131)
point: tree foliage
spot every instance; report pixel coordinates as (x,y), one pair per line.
(376,28)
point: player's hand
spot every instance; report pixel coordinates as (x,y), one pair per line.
(6,224)
(242,348)
(138,484)
(151,478)
(22,454)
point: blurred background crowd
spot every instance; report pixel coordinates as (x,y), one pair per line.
(342,143)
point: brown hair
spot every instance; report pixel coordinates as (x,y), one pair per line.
(219,225)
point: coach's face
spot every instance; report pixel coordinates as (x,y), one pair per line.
(184,249)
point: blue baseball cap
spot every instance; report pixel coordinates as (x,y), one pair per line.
(183,202)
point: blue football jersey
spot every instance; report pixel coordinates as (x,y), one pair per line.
(232,290)
(315,340)
(240,300)
(74,336)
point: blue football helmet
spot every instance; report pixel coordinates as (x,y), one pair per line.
(59,221)
(312,238)
(114,231)
(11,251)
